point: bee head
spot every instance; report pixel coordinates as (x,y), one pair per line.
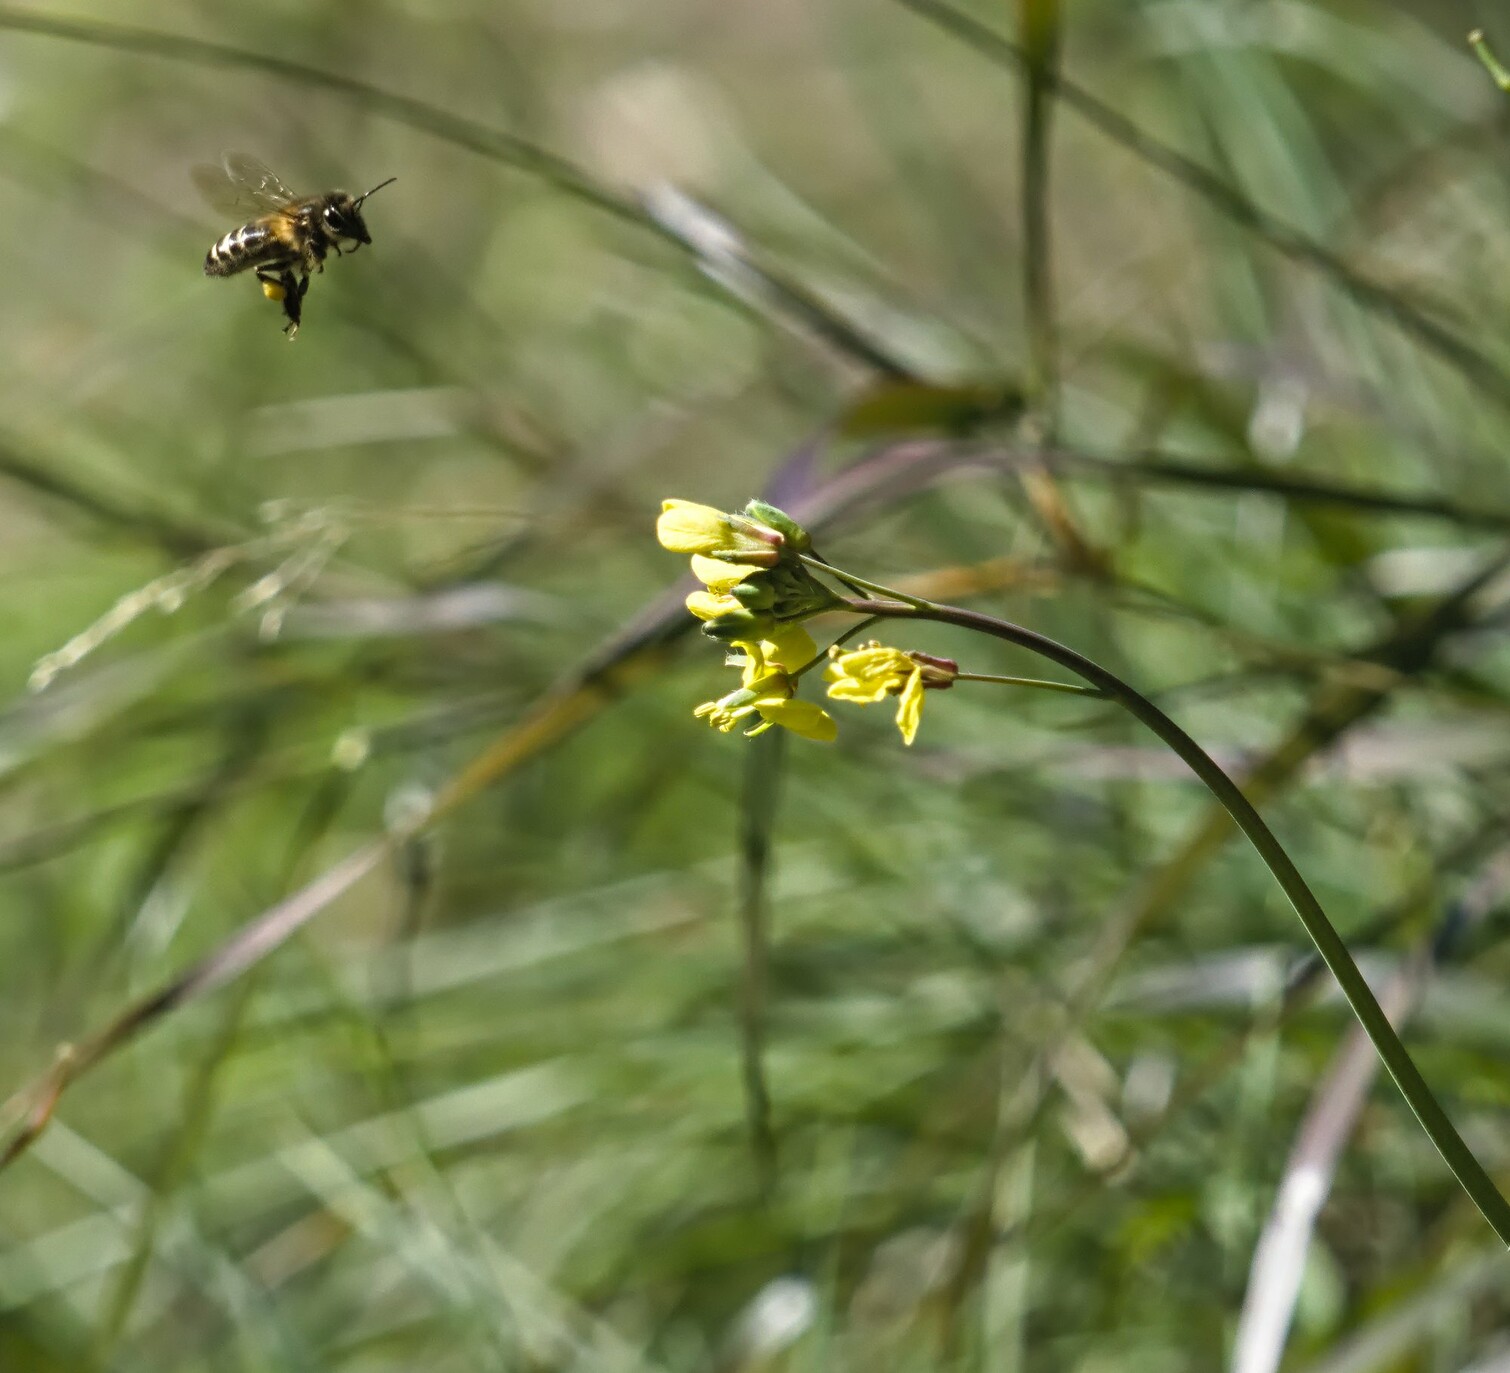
(341,215)
(341,219)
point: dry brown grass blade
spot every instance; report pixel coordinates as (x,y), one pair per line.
(551,720)
(245,949)
(548,723)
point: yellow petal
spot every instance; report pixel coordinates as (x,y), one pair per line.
(802,718)
(685,527)
(750,660)
(720,576)
(791,647)
(910,711)
(842,688)
(707,606)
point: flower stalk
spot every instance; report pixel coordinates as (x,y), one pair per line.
(763,582)
(1329,944)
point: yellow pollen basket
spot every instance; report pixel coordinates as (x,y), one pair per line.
(273,291)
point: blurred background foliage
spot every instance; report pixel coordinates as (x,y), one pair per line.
(1011,1069)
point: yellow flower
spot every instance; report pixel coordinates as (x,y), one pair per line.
(768,689)
(685,527)
(769,699)
(869,673)
(873,672)
(771,696)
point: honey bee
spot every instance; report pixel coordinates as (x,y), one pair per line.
(290,236)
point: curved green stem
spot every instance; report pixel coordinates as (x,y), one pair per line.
(1458,1157)
(849,579)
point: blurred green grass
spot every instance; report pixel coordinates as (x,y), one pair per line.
(495,1117)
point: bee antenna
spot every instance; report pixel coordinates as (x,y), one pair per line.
(375,189)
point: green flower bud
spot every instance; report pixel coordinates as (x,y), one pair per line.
(740,625)
(797,538)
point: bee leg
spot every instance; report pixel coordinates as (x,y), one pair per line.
(293,302)
(289,292)
(297,290)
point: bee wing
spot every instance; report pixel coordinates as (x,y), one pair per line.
(240,183)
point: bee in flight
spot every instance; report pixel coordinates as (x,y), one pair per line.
(290,235)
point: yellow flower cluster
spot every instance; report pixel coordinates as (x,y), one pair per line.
(756,593)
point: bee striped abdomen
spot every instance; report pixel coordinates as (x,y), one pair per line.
(252,245)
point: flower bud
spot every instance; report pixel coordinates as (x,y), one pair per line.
(740,625)
(755,593)
(938,673)
(685,527)
(797,538)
